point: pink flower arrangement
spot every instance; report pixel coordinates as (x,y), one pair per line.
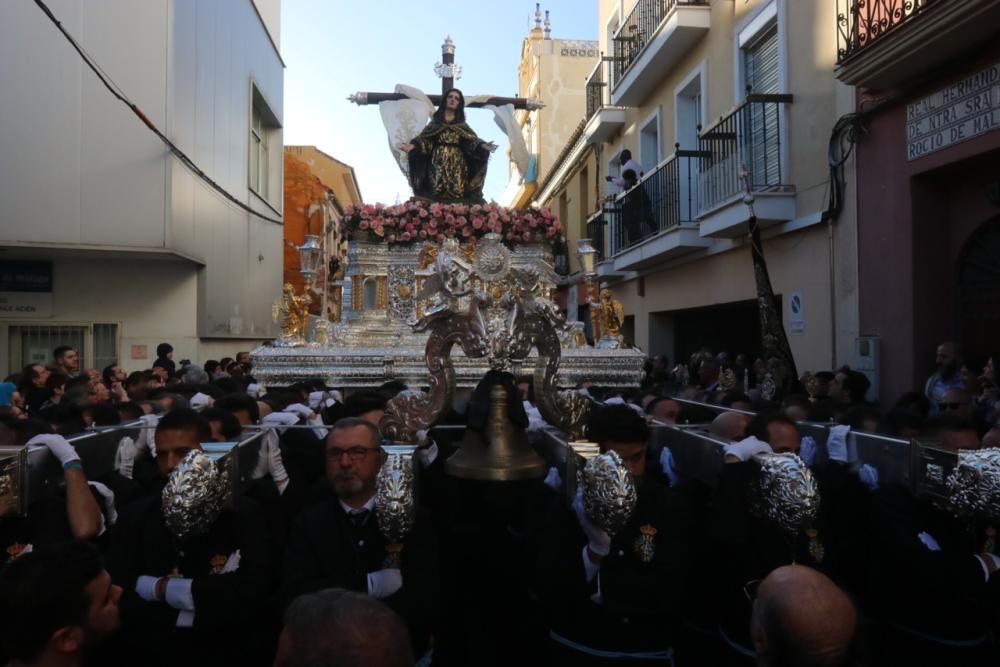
(406,223)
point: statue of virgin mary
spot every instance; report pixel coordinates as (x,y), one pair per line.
(447,160)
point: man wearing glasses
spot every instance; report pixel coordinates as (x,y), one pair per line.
(337,544)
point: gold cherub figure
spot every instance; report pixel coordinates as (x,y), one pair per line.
(611,315)
(291,312)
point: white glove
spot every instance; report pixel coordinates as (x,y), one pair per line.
(316,399)
(597,538)
(280,419)
(807,451)
(178,594)
(553,479)
(335,397)
(535,420)
(320,430)
(746,449)
(125,456)
(108,496)
(269,462)
(232,563)
(928,541)
(869,477)
(57,446)
(145,588)
(667,464)
(253,390)
(201,401)
(836,443)
(383,583)
(147,434)
(301,410)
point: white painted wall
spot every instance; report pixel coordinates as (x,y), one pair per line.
(152,300)
(78,170)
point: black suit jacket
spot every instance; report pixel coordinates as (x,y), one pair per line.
(942,592)
(230,608)
(640,601)
(324,550)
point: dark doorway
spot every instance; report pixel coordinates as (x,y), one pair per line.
(979,289)
(731,327)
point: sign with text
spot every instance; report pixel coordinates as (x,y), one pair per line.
(796,313)
(966,109)
(25,289)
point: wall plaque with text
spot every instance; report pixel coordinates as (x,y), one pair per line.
(965,109)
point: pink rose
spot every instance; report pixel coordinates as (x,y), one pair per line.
(379,231)
(365,215)
(423,213)
(466,231)
(422,234)
(391,238)
(405,237)
(364,225)
(477,223)
(411,228)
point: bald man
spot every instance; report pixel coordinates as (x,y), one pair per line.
(729,426)
(800,617)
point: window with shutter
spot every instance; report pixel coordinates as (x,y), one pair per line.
(762,76)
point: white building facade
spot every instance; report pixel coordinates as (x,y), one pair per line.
(108,242)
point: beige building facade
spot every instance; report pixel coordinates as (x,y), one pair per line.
(712,98)
(553,71)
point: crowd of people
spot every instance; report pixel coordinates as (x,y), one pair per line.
(298,572)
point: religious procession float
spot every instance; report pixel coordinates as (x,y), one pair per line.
(444,251)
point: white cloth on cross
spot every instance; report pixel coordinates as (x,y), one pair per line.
(404,120)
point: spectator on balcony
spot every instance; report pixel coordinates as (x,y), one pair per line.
(627,164)
(637,210)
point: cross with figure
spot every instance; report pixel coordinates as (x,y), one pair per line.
(441,156)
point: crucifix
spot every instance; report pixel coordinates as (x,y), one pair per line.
(439,153)
(448,72)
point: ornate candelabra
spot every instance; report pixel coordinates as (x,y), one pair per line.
(587,254)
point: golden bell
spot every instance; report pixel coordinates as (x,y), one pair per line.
(505,456)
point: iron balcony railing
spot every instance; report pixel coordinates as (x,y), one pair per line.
(638,29)
(666,198)
(746,143)
(597,232)
(861,23)
(598,94)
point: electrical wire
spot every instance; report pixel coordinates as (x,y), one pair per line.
(847,132)
(120,95)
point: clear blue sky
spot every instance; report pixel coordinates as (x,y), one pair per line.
(333,48)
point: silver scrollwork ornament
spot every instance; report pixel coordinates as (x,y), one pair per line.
(785,493)
(609,493)
(194,495)
(395,507)
(974,484)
